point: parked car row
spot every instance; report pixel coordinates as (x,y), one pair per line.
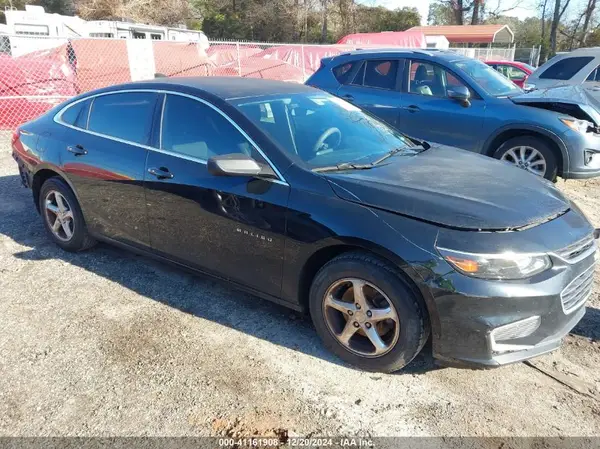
(319,202)
(449,99)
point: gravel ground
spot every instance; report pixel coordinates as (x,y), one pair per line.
(106,343)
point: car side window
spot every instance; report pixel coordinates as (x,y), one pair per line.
(594,76)
(430,79)
(127,115)
(77,114)
(343,72)
(191,128)
(566,68)
(379,74)
(515,74)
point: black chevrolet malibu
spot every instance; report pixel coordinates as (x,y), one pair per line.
(304,199)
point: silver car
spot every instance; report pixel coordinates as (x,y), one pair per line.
(579,67)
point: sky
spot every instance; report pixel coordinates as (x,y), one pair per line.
(525,9)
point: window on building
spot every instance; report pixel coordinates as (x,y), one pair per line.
(105,35)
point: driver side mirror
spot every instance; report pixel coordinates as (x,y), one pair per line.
(238,164)
(460,94)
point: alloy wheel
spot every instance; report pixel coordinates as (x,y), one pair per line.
(527,158)
(361,317)
(59,216)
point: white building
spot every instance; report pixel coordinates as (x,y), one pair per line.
(23,31)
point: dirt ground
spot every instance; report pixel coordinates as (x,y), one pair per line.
(106,343)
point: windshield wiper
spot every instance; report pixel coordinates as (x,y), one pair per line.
(343,166)
(388,155)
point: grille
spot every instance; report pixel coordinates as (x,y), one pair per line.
(578,290)
(575,250)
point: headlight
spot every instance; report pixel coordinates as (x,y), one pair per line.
(581,126)
(496,266)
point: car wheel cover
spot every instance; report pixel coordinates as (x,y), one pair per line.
(361,317)
(59,216)
(527,158)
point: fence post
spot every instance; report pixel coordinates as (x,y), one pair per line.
(303,64)
(239,63)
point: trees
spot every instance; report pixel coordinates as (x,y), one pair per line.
(321,21)
(560,7)
(456,12)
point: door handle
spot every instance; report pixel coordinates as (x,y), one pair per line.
(348,97)
(77,150)
(161,173)
(413,108)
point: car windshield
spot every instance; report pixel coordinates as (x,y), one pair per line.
(488,79)
(324,130)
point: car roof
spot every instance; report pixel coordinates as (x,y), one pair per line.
(593,51)
(226,87)
(404,52)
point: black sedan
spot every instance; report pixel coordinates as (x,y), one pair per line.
(304,199)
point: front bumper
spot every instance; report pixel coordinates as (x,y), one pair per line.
(472,311)
(584,155)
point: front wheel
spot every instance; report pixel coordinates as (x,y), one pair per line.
(531,154)
(367,314)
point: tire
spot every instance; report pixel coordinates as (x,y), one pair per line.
(532,142)
(80,239)
(413,323)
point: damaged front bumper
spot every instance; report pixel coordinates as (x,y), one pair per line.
(584,155)
(488,323)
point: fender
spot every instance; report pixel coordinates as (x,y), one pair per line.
(535,129)
(55,168)
(331,247)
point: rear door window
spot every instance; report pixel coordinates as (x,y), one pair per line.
(127,116)
(566,68)
(378,74)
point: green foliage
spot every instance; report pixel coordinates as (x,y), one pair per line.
(440,14)
(377,19)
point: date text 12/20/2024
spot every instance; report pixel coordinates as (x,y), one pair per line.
(268,442)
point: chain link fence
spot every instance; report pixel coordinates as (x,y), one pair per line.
(37,72)
(487,53)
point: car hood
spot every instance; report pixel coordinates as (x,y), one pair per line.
(570,95)
(453,188)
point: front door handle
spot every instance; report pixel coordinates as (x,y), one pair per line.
(161,173)
(413,108)
(348,97)
(77,150)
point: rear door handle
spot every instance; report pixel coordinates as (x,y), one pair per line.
(413,108)
(77,150)
(348,97)
(161,173)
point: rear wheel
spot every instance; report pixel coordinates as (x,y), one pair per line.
(367,313)
(62,216)
(531,154)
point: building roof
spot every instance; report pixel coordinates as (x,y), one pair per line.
(471,34)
